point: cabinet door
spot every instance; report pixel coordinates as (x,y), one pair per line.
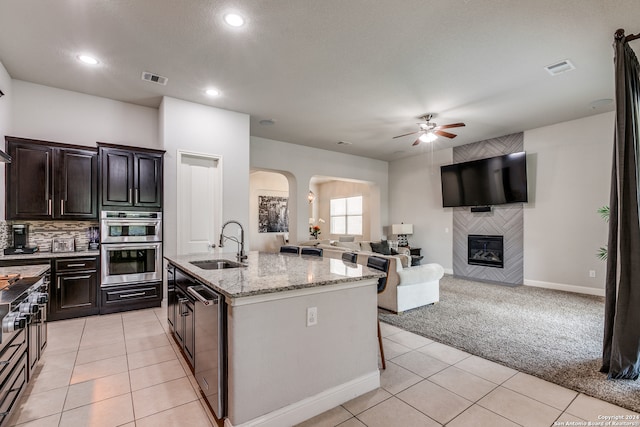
(148,180)
(117,177)
(29,181)
(76,184)
(75,294)
(189,331)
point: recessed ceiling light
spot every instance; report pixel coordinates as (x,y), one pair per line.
(234,19)
(87,59)
(267,122)
(344,143)
(213,92)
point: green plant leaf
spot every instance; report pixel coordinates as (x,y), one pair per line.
(602,253)
(604,212)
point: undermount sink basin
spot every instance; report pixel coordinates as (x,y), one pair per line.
(217,264)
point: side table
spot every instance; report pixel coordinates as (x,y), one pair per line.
(416,256)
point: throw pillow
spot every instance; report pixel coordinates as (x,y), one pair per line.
(381,248)
(352,246)
(346,238)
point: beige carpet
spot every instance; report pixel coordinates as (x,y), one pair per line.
(553,335)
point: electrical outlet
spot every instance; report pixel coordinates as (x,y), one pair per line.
(592,273)
(312,316)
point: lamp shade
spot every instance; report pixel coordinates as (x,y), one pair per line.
(401,229)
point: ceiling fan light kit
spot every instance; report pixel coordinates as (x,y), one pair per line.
(430,131)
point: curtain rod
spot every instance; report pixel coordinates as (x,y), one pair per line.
(620,36)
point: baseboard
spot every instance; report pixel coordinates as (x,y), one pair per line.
(314,405)
(564,287)
(448,271)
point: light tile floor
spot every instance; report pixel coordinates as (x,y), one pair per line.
(124,370)
(113,370)
(430,384)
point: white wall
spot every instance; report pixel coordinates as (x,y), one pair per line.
(569,167)
(207,130)
(5,125)
(264,184)
(415,197)
(569,179)
(50,114)
(305,162)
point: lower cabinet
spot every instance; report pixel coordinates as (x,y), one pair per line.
(74,290)
(180,313)
(130,297)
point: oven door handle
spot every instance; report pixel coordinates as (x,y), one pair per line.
(133,222)
(130,246)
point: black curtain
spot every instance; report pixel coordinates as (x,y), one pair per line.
(621,349)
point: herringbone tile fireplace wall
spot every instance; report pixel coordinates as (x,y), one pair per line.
(505,220)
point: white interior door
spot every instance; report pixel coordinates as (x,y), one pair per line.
(199,196)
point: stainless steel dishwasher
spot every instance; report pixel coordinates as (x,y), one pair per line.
(210,341)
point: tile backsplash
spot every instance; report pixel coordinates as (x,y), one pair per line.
(42,232)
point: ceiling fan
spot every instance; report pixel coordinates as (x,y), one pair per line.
(430,131)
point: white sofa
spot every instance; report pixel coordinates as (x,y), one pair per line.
(407,287)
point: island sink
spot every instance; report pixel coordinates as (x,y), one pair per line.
(217,264)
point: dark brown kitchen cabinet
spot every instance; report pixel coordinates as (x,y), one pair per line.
(28,180)
(76,184)
(47,180)
(131,178)
(74,290)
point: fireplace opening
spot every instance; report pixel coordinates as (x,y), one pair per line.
(486,250)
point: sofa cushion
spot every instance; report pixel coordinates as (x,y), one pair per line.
(366,246)
(352,246)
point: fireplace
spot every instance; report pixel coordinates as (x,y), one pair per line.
(486,250)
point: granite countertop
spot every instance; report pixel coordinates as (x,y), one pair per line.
(267,273)
(48,255)
(25,270)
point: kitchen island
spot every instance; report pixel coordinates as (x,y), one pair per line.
(301,334)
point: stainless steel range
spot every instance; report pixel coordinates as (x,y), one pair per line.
(23,310)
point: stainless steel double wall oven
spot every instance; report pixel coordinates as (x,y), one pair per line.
(131,249)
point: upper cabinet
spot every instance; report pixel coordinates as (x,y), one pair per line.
(46,180)
(130,178)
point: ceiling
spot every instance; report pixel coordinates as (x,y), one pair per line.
(359,71)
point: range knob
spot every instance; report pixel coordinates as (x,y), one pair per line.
(13,322)
(38,298)
(27,307)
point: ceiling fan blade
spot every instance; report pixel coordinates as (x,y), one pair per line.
(405,134)
(453,125)
(445,134)
(417,142)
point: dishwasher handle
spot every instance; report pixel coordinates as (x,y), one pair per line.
(203,295)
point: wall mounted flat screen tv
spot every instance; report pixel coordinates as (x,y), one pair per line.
(492,181)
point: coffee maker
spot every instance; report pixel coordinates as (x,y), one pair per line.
(20,233)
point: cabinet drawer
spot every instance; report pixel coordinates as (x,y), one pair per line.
(76,264)
(12,390)
(120,294)
(14,350)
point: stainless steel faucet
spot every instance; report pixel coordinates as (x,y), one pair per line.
(241,255)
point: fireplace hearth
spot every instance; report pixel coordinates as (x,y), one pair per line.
(487,251)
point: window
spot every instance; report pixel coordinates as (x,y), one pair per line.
(346,215)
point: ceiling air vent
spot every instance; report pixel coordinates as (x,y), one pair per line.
(560,67)
(154,78)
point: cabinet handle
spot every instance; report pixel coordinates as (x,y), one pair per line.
(61,207)
(129,198)
(76,265)
(49,208)
(136,200)
(137,294)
